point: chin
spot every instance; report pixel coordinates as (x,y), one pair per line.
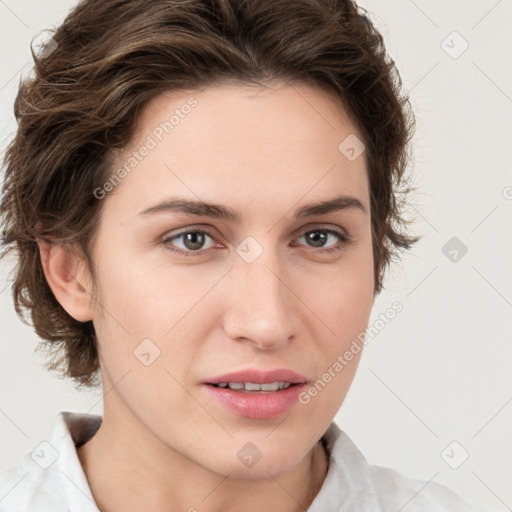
(262,470)
(260,459)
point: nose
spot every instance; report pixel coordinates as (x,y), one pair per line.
(261,309)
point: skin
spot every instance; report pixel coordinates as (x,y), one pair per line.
(164,444)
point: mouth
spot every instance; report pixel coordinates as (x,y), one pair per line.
(253,379)
(254,387)
(256,394)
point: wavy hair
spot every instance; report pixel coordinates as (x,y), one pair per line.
(109,58)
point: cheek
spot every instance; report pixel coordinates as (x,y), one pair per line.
(344,294)
(141,299)
(143,308)
(344,306)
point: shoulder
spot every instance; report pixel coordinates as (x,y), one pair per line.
(395,490)
(29,487)
(354,484)
(50,477)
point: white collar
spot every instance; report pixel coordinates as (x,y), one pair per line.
(51,478)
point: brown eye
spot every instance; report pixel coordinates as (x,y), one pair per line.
(318,238)
(192,240)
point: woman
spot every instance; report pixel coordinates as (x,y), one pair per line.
(202,198)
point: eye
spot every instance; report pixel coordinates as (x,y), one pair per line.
(193,241)
(318,238)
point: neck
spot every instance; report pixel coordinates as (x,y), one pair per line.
(131,471)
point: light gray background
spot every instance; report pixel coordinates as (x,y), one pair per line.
(440,371)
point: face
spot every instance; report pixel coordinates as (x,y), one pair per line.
(186,295)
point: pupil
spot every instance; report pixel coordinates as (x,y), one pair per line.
(192,237)
(315,236)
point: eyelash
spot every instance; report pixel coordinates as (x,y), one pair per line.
(344,238)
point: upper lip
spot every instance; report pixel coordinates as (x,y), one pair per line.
(259,376)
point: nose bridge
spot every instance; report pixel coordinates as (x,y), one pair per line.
(261,309)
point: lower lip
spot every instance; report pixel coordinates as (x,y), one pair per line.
(257,404)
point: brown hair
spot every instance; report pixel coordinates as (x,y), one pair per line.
(110,57)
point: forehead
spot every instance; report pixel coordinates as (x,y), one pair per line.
(235,113)
(239,142)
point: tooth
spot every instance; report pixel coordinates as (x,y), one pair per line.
(253,386)
(250,386)
(271,386)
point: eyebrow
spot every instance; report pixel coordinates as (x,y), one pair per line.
(219,211)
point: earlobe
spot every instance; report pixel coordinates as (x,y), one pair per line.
(69,279)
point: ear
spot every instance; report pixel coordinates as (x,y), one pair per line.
(69,278)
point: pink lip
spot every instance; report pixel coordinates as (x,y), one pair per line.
(259,377)
(257,404)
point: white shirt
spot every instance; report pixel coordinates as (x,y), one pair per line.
(51,478)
